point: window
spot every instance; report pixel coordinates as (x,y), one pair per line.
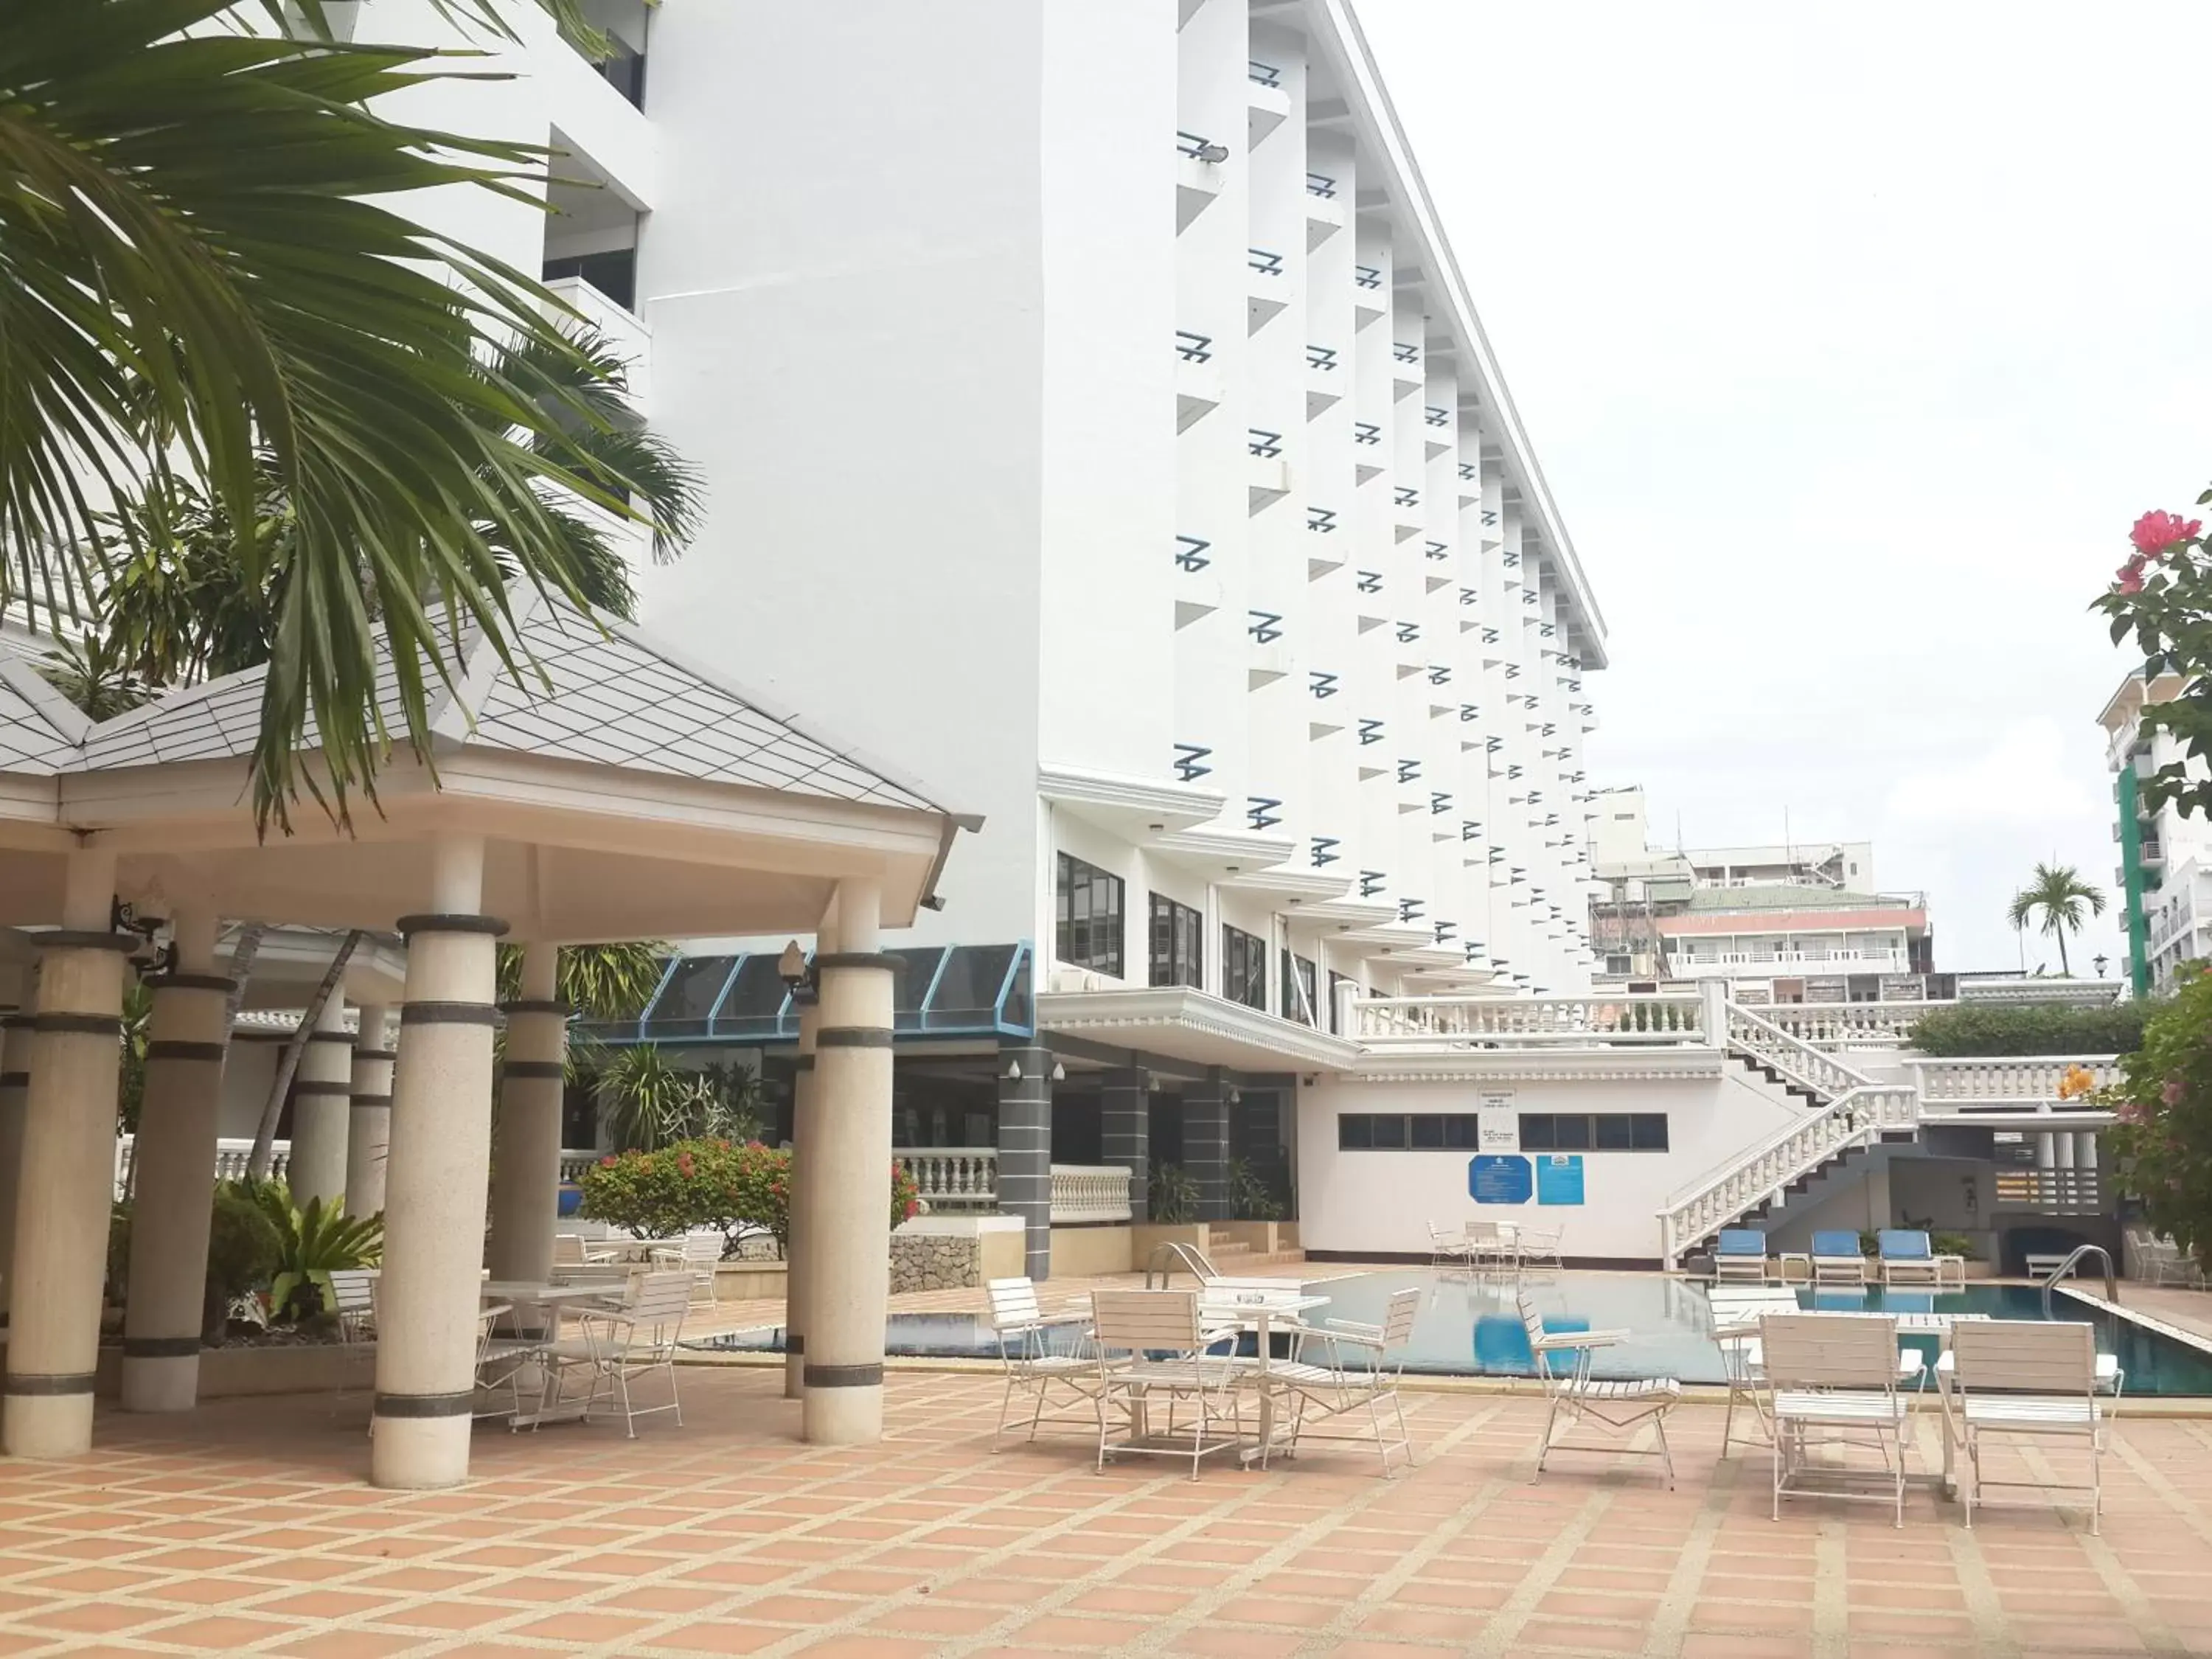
(1244,968)
(1423,1131)
(1600,1132)
(614,273)
(1178,942)
(1299,985)
(1090,917)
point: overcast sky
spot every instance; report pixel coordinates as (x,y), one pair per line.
(1851,340)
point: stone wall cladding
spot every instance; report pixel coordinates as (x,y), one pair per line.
(924,1263)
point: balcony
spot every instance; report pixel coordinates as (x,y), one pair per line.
(1267,288)
(1198,377)
(1371,297)
(1324,209)
(1267,476)
(954,1180)
(1267,101)
(625,333)
(1325,380)
(1197,175)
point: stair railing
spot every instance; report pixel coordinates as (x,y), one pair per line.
(1767,1044)
(1166,1257)
(1855,1118)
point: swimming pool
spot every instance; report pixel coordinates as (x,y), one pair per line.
(1470,1326)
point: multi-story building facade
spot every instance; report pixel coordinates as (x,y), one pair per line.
(1786,923)
(2164,877)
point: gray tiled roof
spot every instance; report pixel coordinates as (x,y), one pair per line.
(39,730)
(609,698)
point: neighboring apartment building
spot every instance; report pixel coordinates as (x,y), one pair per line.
(2164,877)
(1798,922)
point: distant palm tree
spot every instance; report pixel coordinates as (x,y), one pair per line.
(2062,895)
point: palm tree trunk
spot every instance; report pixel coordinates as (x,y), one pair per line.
(2059,931)
(265,1135)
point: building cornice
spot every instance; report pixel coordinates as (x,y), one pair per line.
(1178,803)
(1185,1023)
(1539,1065)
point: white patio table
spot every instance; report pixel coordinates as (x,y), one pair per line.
(1256,1310)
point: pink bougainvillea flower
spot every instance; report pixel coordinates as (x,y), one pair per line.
(2157,530)
(2172,1092)
(2128,578)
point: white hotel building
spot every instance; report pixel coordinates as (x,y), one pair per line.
(1095,422)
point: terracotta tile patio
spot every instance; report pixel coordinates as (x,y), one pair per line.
(245,1527)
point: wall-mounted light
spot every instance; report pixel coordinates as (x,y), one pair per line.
(1013,1073)
(796,973)
(1216,154)
(1059,1073)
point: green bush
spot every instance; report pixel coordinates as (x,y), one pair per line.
(1953,1244)
(2162,1142)
(723,1184)
(1968,1031)
(1251,1197)
(1172,1195)
(311,1245)
(243,1249)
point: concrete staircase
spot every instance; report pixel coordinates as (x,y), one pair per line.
(1237,1260)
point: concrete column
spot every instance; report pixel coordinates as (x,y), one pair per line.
(2046,1155)
(67,1181)
(1206,1143)
(369,1116)
(1025,1149)
(1713,996)
(15,1039)
(2085,1149)
(166,1308)
(2062,1146)
(798,1247)
(846,1177)
(439,1161)
(525,1162)
(1125,1133)
(322,1101)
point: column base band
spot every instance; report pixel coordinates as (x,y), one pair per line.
(69,1383)
(160,1348)
(843,1377)
(426,1404)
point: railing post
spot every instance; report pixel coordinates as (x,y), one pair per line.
(1713,995)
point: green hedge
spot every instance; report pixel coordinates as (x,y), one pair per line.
(2034,1027)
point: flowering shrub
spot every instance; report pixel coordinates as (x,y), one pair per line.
(2162,595)
(708,1183)
(2076,1081)
(2163,1140)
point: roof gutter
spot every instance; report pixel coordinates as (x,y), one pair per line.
(954,824)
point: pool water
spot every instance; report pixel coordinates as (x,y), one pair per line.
(1470,1326)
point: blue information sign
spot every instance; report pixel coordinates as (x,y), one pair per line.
(1495,1179)
(1560,1178)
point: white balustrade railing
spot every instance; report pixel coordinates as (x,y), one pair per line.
(230,1160)
(1792,1057)
(953,1177)
(2030,1081)
(1525,1022)
(1082,1192)
(1850,1024)
(1856,1118)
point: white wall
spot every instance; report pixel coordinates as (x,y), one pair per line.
(1383,1201)
(845,280)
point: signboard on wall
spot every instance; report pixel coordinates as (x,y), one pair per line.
(1494,1179)
(1560,1178)
(1498,1121)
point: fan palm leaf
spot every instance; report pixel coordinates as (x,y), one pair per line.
(199,260)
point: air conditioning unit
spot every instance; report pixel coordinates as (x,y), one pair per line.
(1080,979)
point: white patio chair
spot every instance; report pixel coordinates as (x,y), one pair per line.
(617,1346)
(1737,1311)
(1839,1373)
(1447,1251)
(1489,1244)
(1537,1247)
(1131,1327)
(1360,1372)
(571,1255)
(1619,1406)
(696,1252)
(2025,1377)
(353,1304)
(503,1362)
(1025,1331)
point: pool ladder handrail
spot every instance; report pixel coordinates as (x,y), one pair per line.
(2111,1280)
(1165,1257)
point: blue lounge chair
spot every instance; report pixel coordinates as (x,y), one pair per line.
(1739,1256)
(1907,1257)
(1836,1260)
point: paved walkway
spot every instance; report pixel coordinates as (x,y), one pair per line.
(245,1527)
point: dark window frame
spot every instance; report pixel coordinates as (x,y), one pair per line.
(1593,1131)
(1244,968)
(1077,938)
(1297,970)
(1175,938)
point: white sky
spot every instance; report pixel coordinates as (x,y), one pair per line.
(1851,338)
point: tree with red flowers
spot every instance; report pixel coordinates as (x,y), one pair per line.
(2163,597)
